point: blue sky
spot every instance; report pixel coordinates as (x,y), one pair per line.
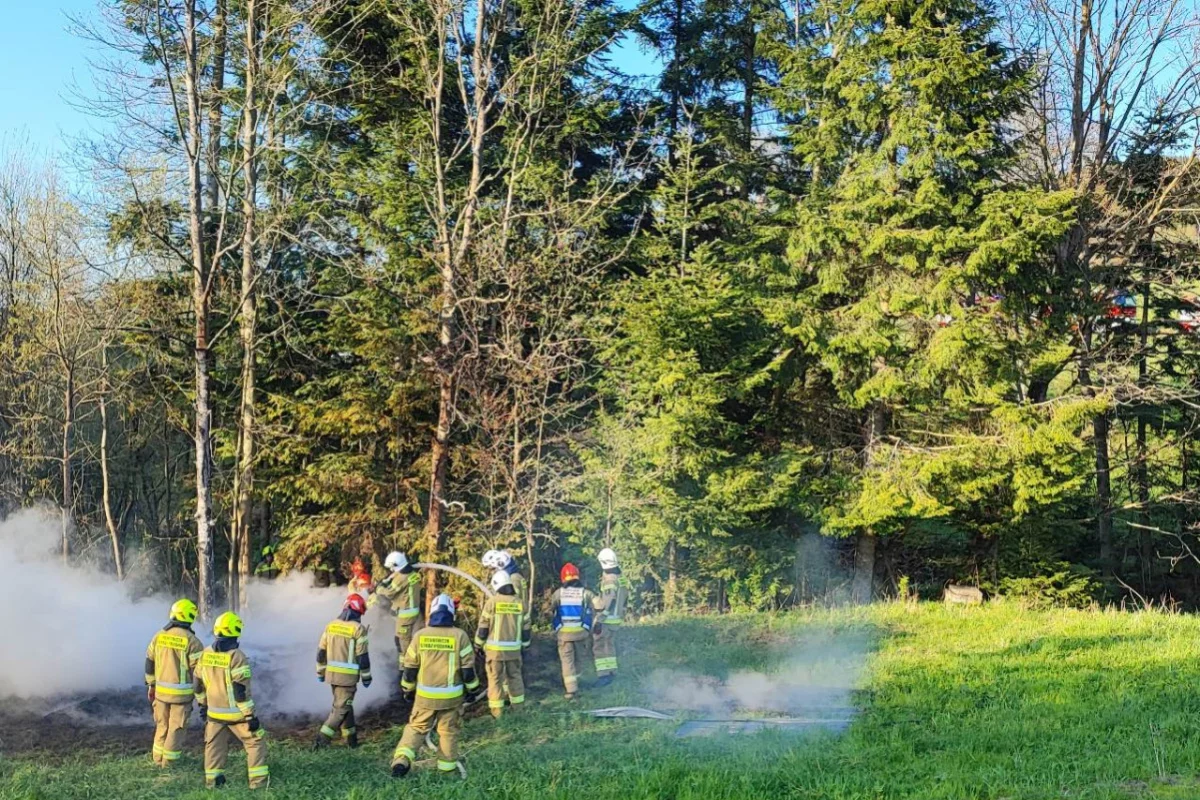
(40,60)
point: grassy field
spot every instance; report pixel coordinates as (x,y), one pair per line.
(955,703)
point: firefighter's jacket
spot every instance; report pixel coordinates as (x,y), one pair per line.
(576,610)
(504,629)
(171,659)
(223,682)
(403,591)
(520,585)
(614,595)
(439,664)
(342,658)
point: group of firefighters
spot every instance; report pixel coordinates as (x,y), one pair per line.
(437,663)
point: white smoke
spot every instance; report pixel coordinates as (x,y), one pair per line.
(72,630)
(816,677)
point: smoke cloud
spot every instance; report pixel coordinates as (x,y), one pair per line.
(75,631)
(814,678)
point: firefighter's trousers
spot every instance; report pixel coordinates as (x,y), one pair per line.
(341,716)
(573,656)
(604,651)
(504,677)
(170,721)
(448,723)
(217,738)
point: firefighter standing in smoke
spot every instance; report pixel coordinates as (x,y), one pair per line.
(503,633)
(223,692)
(402,589)
(614,596)
(342,661)
(171,659)
(438,675)
(577,615)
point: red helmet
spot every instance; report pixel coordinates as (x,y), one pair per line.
(356,603)
(569,572)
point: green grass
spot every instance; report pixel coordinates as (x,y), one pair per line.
(956,703)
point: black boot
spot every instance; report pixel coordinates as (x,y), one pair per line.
(400,769)
(604,680)
(352,740)
(219,782)
(320,741)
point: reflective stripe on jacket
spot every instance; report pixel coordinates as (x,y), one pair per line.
(614,594)
(506,625)
(403,591)
(223,684)
(172,655)
(575,611)
(439,656)
(344,643)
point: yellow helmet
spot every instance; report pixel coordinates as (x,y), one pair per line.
(184,611)
(229,625)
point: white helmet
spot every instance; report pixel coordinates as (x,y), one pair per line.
(491,559)
(608,559)
(500,579)
(396,561)
(443,601)
(505,560)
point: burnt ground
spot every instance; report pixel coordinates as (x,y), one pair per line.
(93,727)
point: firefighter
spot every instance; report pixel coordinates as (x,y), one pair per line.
(171,659)
(504,633)
(503,560)
(223,692)
(438,676)
(402,589)
(342,661)
(614,597)
(360,579)
(577,616)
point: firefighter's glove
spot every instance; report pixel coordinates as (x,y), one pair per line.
(366,683)
(204,713)
(150,693)
(256,728)
(408,695)
(473,695)
(597,628)
(320,679)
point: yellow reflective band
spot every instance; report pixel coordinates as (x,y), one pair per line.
(328,731)
(172,691)
(171,642)
(503,647)
(408,613)
(172,755)
(241,672)
(218,660)
(213,773)
(440,692)
(349,731)
(613,621)
(437,643)
(516,701)
(466,652)
(447,766)
(258,772)
(496,703)
(404,752)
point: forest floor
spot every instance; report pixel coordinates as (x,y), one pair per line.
(949,703)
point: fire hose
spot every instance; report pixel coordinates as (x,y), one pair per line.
(486,591)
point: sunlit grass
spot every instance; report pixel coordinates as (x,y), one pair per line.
(991,702)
